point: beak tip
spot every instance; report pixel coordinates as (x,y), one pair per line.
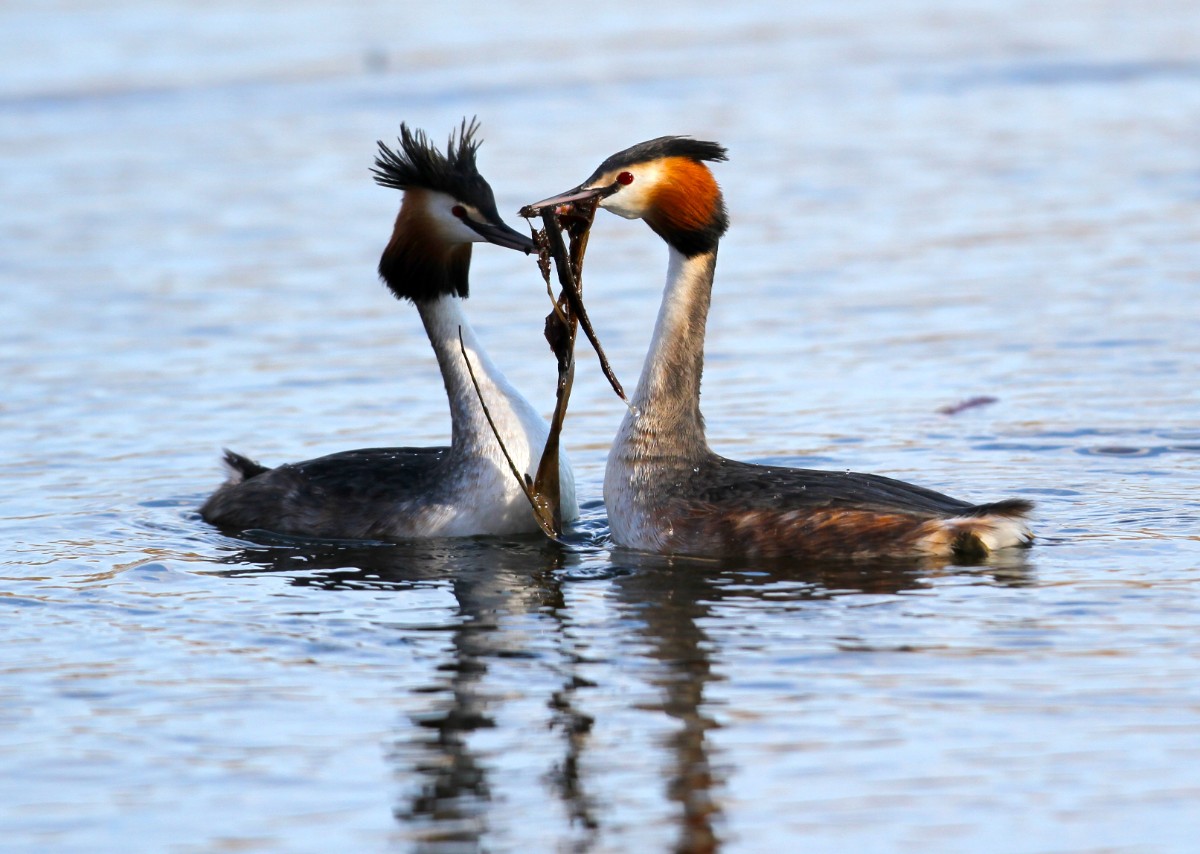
(560,203)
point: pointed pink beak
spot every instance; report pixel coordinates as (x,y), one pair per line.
(568,198)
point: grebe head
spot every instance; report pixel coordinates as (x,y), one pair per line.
(447,206)
(663,181)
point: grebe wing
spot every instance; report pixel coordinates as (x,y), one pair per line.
(342,492)
(728,482)
(747,509)
(370,473)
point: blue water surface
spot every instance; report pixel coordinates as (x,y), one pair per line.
(932,202)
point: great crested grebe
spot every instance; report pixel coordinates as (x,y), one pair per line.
(665,490)
(468,488)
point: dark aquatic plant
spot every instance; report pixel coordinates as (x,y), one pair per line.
(562,323)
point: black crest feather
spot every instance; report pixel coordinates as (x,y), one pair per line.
(418,163)
(410,266)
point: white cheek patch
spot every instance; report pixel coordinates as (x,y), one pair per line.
(621,208)
(473,214)
(632,201)
(451,228)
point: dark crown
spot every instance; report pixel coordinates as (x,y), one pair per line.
(664,146)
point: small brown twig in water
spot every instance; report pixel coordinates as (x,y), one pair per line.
(969,403)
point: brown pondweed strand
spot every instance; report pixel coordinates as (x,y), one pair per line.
(578,224)
(550,522)
(562,324)
(567,314)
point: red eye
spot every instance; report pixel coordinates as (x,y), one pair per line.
(459,211)
(625,178)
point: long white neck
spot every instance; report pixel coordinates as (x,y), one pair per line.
(514,416)
(665,419)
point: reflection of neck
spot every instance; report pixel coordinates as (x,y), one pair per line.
(667,401)
(671,610)
(454,783)
(470,432)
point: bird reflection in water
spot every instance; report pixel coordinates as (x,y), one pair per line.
(666,601)
(493,583)
(671,599)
